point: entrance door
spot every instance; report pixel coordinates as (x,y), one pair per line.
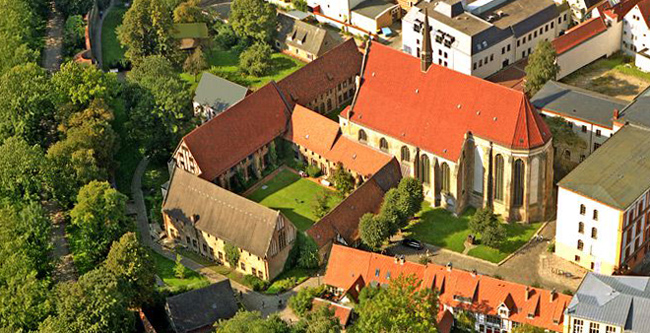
(505,63)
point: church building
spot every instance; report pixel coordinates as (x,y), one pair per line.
(471,142)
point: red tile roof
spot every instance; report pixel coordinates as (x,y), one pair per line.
(436,109)
(644,6)
(239,131)
(486,293)
(322,74)
(579,34)
(619,10)
(343,220)
(341,312)
(322,136)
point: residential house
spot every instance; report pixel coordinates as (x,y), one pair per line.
(341,224)
(581,9)
(610,304)
(470,142)
(359,17)
(214,95)
(198,310)
(302,40)
(590,115)
(190,35)
(342,312)
(636,34)
(497,305)
(479,38)
(205,218)
(602,213)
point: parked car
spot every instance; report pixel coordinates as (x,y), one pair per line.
(412,243)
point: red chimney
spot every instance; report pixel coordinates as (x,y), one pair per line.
(616,114)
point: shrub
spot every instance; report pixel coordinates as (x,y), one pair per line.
(301,302)
(255,283)
(493,235)
(343,180)
(568,292)
(551,247)
(224,37)
(423,260)
(313,171)
(481,220)
(232,255)
(320,206)
(308,255)
(256,60)
(179,269)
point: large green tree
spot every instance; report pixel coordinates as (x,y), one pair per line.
(254,19)
(147,30)
(373,231)
(21,171)
(252,322)
(189,12)
(321,320)
(563,138)
(94,304)
(26,107)
(18,33)
(256,60)
(134,269)
(97,219)
(401,307)
(542,67)
(74,7)
(79,84)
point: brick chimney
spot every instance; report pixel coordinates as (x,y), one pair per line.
(527,292)
(616,114)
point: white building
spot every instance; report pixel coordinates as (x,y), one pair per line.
(481,37)
(602,216)
(359,17)
(636,34)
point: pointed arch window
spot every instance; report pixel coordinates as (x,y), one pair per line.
(362,136)
(406,154)
(518,187)
(498,178)
(445,174)
(425,170)
(383,144)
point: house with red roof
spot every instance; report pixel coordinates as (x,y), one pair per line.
(470,142)
(497,305)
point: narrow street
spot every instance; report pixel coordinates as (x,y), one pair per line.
(52,56)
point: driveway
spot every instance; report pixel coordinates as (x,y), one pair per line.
(532,265)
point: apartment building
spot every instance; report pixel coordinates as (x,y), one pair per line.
(481,37)
(602,213)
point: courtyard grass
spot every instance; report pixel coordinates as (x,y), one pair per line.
(288,280)
(439,227)
(225,63)
(293,196)
(112,52)
(165,270)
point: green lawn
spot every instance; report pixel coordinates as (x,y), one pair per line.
(293,196)
(112,51)
(226,64)
(289,279)
(440,228)
(165,270)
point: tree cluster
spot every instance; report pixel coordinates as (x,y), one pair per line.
(320,321)
(343,181)
(485,223)
(21,28)
(542,67)
(398,206)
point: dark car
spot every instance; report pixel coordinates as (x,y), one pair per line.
(412,243)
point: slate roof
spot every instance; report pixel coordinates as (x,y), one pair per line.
(232,135)
(577,103)
(221,213)
(638,112)
(190,30)
(304,36)
(322,74)
(343,220)
(579,34)
(617,173)
(437,109)
(373,8)
(347,266)
(218,93)
(618,300)
(201,307)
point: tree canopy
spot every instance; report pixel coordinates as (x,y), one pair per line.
(542,67)
(21,174)
(253,19)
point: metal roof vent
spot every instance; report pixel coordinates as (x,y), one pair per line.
(495,118)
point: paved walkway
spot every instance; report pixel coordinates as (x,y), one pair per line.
(531,266)
(65,269)
(252,300)
(52,57)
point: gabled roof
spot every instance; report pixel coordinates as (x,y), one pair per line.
(644,7)
(341,312)
(343,220)
(618,300)
(221,213)
(322,136)
(202,307)
(617,9)
(231,136)
(218,93)
(488,292)
(322,74)
(437,109)
(577,103)
(304,36)
(190,30)
(617,173)
(579,34)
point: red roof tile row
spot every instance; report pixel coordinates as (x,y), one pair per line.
(437,109)
(456,288)
(619,10)
(579,34)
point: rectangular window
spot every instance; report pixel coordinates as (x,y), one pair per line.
(243,266)
(594,327)
(253,271)
(584,129)
(577,259)
(377,272)
(508,47)
(598,132)
(595,215)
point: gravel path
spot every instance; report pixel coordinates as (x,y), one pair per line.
(52,56)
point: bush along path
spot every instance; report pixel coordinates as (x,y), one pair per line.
(252,300)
